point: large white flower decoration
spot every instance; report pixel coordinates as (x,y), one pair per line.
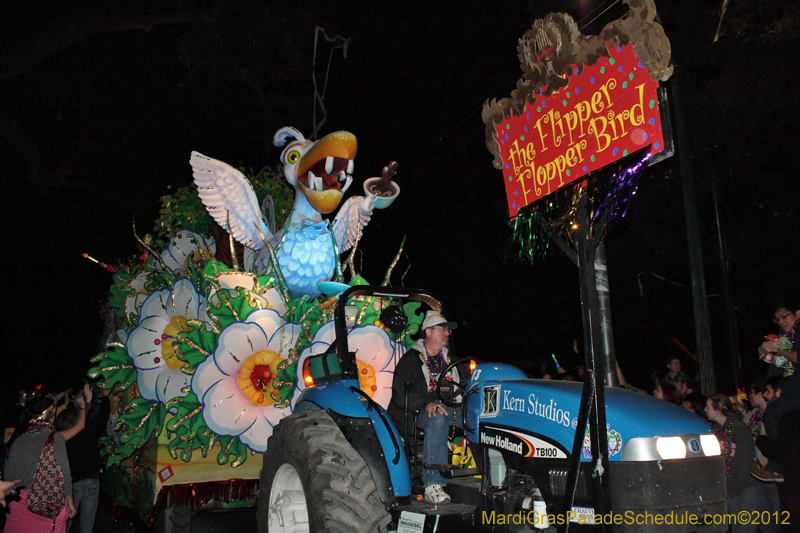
(151,346)
(185,245)
(238,383)
(376,357)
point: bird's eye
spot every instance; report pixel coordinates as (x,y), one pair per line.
(292,157)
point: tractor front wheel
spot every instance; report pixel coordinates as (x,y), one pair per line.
(313,480)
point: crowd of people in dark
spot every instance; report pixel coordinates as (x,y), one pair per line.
(757,428)
(51,461)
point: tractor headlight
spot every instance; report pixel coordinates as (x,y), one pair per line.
(671,447)
(710,445)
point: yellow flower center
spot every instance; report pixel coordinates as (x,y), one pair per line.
(367,380)
(257,378)
(198,257)
(177,324)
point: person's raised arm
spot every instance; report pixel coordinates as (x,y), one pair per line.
(80,422)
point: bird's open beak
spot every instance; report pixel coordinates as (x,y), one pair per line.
(325,171)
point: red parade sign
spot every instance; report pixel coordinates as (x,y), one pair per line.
(607,111)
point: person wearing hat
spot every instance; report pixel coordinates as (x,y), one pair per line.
(421,366)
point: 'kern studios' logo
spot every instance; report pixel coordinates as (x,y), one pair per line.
(491,394)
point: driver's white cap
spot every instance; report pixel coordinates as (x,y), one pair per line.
(435,318)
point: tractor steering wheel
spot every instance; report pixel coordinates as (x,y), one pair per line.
(459,387)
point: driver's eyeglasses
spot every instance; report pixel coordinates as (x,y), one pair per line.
(443,328)
(778,320)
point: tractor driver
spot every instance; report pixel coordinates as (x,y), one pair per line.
(421,366)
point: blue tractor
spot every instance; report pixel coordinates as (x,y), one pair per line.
(338,463)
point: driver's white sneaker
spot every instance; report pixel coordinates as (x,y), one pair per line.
(435,494)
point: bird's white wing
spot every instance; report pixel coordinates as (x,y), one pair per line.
(351,219)
(229,199)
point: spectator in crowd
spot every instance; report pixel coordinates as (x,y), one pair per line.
(23,459)
(783,348)
(542,368)
(773,392)
(674,375)
(777,350)
(687,387)
(768,492)
(20,417)
(739,452)
(755,415)
(667,392)
(773,389)
(85,461)
(695,403)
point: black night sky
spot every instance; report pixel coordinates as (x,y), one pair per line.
(101,103)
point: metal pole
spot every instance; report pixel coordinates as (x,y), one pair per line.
(730,319)
(595,364)
(606,330)
(702,329)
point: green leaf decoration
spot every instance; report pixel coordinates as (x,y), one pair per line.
(195,274)
(187,428)
(305,310)
(108,449)
(214,268)
(285,382)
(196,346)
(114,368)
(414,322)
(155,280)
(233,451)
(189,433)
(120,291)
(234,306)
(358,279)
(139,421)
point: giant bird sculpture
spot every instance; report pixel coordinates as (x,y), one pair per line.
(306,247)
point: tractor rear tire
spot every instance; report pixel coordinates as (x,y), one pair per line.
(313,480)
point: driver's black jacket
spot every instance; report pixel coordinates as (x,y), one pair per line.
(410,368)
